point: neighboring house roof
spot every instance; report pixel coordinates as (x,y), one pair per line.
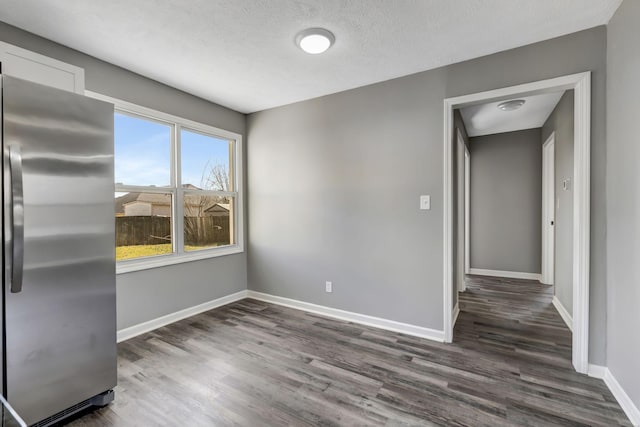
(154,198)
(123,200)
(165,199)
(218,207)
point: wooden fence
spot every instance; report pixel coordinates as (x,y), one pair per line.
(156,230)
(206,230)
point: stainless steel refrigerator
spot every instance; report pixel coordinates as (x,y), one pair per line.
(59,296)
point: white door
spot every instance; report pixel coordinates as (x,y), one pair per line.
(461,148)
(548,210)
(467,210)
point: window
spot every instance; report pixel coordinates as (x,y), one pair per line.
(177,189)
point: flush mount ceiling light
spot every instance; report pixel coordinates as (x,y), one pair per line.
(514,104)
(315,40)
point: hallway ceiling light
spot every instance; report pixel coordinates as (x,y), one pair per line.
(315,40)
(514,104)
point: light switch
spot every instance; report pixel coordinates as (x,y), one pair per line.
(425,203)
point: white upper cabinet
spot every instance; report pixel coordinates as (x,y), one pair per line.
(41,69)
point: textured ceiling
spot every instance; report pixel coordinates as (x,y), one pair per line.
(241,53)
(487,119)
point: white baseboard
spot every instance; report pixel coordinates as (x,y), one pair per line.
(363,319)
(627,405)
(623,398)
(456,313)
(391,325)
(597,371)
(141,328)
(508,274)
(563,313)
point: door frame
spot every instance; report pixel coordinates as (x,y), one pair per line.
(548,206)
(581,84)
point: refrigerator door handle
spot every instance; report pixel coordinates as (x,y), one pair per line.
(17,218)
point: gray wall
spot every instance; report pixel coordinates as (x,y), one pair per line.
(623,198)
(148,294)
(506,201)
(561,122)
(335,183)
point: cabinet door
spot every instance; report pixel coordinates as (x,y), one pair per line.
(27,65)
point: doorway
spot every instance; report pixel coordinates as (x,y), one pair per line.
(581,84)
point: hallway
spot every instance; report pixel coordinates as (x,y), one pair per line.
(520,340)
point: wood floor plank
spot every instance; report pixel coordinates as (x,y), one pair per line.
(251,363)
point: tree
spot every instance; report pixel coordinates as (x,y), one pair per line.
(214,178)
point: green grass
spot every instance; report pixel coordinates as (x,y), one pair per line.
(138,251)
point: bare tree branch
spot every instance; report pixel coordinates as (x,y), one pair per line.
(217,178)
(214,177)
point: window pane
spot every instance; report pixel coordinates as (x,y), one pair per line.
(143,224)
(206,162)
(142,151)
(208,221)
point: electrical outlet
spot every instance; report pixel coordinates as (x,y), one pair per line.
(328,287)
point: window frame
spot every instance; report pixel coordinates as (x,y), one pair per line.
(176,123)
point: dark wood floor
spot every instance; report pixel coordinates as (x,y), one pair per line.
(255,364)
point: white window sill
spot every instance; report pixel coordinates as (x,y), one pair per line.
(172,259)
